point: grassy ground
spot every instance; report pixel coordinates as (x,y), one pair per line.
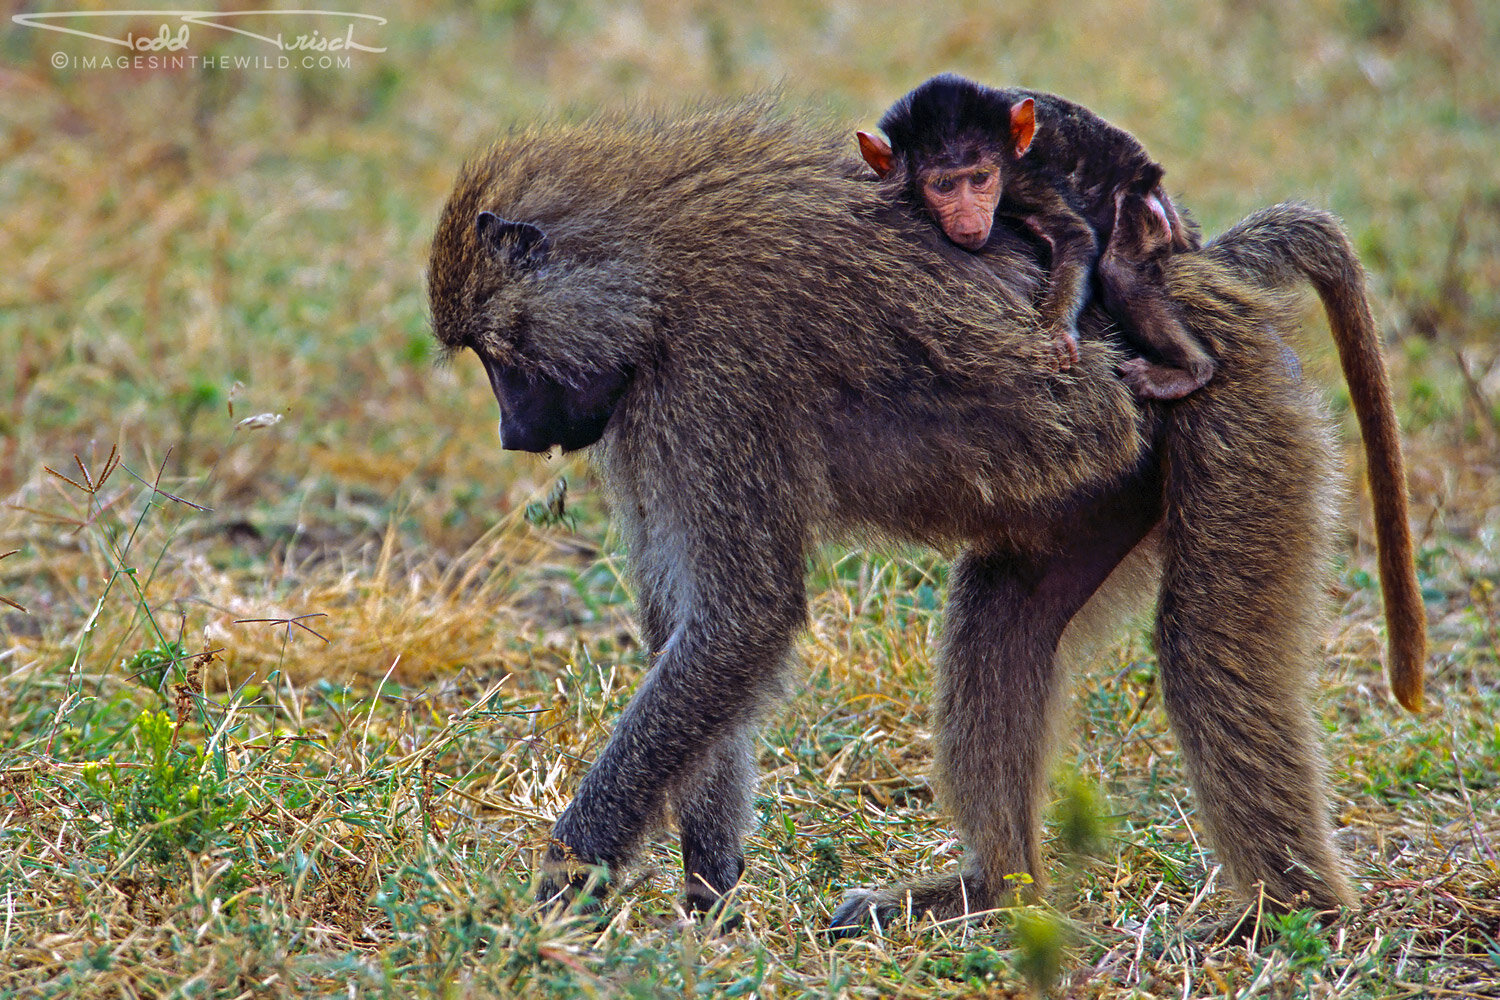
(292,687)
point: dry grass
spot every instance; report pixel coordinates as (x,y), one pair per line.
(289,704)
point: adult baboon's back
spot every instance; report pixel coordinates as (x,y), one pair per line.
(764,353)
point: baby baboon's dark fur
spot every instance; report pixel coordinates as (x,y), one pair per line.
(770,353)
(1073,184)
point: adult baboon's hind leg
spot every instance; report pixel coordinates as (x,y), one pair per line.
(997,694)
(1245,545)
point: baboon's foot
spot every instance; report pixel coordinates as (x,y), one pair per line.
(1155,381)
(862,909)
(569,885)
(948,896)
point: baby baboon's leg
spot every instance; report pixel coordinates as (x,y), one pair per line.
(1245,545)
(1150,323)
(1134,291)
(997,694)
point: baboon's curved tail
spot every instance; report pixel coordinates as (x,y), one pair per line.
(1285,245)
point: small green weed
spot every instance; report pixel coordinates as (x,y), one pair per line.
(168,795)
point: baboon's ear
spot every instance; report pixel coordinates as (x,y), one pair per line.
(1022,124)
(525,244)
(1159,212)
(876,151)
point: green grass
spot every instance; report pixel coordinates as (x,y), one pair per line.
(290,704)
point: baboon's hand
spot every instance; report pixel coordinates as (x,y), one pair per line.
(578,896)
(552,893)
(1065,344)
(568,884)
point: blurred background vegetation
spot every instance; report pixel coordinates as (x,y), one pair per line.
(184,249)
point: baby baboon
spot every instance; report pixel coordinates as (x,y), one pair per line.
(966,151)
(762,351)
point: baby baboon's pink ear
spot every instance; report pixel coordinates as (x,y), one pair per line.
(876,151)
(1160,212)
(1022,124)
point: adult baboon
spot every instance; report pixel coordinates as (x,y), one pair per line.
(763,352)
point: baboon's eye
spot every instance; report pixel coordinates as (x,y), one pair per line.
(981,178)
(942,185)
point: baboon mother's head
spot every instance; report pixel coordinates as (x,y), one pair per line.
(559,331)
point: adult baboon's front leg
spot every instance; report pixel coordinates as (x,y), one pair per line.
(712,799)
(713,808)
(997,694)
(710,679)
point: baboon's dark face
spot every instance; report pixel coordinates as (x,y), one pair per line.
(559,339)
(537,412)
